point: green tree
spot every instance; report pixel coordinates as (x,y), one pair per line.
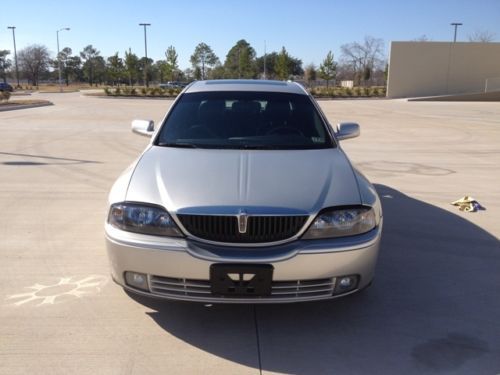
(90,56)
(115,69)
(162,69)
(4,64)
(217,72)
(283,64)
(270,60)
(328,68)
(171,68)
(34,60)
(146,65)
(131,67)
(240,61)
(310,74)
(99,70)
(69,64)
(203,59)
(73,70)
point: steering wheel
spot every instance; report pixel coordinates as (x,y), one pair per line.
(201,131)
(284,130)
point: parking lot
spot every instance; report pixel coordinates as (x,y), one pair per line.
(434,306)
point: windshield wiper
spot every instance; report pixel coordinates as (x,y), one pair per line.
(177,144)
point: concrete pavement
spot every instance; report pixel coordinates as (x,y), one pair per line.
(433,308)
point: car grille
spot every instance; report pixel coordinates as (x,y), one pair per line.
(296,289)
(259,228)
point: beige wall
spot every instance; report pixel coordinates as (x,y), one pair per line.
(440,68)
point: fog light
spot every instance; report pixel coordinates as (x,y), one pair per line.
(346,284)
(137,280)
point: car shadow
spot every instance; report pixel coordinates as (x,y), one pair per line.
(433,307)
(47,160)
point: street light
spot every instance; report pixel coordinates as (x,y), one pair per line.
(15,52)
(146,53)
(59,57)
(456,24)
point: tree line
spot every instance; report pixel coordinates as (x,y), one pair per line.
(362,62)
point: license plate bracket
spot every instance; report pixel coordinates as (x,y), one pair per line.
(241,280)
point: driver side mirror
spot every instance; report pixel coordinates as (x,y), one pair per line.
(143,127)
(346,130)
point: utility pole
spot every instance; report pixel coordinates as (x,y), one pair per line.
(265,72)
(15,52)
(59,57)
(146,53)
(456,24)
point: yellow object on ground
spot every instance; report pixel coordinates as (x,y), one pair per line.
(468,204)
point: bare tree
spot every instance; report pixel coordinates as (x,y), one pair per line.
(34,60)
(5,64)
(360,57)
(483,36)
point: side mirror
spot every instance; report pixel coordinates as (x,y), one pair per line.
(346,130)
(143,127)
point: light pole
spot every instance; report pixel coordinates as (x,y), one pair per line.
(456,24)
(15,52)
(265,70)
(59,57)
(146,53)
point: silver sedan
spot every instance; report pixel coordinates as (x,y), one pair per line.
(243,195)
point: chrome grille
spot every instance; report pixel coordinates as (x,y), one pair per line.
(259,228)
(295,289)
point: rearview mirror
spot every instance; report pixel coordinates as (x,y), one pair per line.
(346,130)
(143,127)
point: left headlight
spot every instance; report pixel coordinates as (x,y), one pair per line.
(342,222)
(145,219)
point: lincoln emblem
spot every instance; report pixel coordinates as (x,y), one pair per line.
(242,221)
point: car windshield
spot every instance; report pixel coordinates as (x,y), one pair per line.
(244,120)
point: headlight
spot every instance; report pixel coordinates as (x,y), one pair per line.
(138,218)
(342,222)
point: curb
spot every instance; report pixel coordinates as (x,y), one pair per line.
(23,106)
(131,97)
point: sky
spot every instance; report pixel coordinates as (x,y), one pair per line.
(307,29)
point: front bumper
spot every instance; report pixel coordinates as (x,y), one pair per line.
(304,270)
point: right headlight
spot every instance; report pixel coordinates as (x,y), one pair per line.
(143,218)
(342,222)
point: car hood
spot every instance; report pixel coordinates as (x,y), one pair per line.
(224,181)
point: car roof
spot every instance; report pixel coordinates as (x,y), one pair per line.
(246,85)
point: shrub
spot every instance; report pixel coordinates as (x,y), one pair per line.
(348,91)
(171,91)
(126,90)
(4,96)
(375,91)
(357,91)
(106,91)
(118,91)
(133,91)
(367,91)
(144,90)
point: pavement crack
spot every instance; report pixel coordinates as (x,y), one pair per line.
(256,322)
